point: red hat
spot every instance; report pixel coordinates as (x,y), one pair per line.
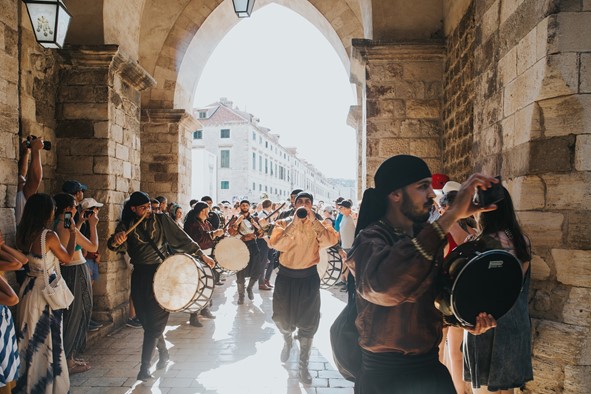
(438,181)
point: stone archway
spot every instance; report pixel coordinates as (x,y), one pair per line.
(197,29)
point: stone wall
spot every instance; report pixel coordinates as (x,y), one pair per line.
(98,136)
(526,94)
(458,115)
(403,97)
(166,154)
(9,110)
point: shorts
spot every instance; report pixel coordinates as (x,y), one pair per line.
(94,270)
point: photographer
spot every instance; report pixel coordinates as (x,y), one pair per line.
(29,175)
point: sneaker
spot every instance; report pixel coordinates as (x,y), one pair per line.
(133,323)
(94,323)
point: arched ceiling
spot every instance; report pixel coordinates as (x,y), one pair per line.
(178,37)
(173,39)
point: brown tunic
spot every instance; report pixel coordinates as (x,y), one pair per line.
(396,289)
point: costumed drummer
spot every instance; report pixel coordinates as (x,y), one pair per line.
(147,247)
(296,298)
(396,260)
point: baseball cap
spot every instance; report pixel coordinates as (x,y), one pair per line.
(73,187)
(90,202)
(346,204)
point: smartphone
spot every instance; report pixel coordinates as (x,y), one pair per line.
(88,213)
(492,195)
(67,219)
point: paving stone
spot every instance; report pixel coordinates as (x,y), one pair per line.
(238,352)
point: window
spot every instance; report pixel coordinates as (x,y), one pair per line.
(266,166)
(266,144)
(260,187)
(254,186)
(225,185)
(198,135)
(225,133)
(260,163)
(202,114)
(254,136)
(225,158)
(254,161)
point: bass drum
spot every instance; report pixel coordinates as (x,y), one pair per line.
(231,254)
(330,267)
(182,283)
(477,280)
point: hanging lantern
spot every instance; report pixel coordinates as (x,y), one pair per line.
(50,20)
(243,8)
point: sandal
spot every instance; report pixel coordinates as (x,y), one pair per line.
(78,368)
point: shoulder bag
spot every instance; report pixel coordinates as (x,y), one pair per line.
(56,293)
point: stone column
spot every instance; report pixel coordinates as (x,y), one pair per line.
(98,135)
(401,104)
(166,154)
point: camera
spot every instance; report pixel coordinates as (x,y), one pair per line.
(88,213)
(67,218)
(46,144)
(492,195)
(301,212)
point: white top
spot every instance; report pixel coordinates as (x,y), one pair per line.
(347,231)
(20,206)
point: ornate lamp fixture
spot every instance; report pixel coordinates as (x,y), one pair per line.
(50,20)
(243,8)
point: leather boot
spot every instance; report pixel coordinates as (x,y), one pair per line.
(147,352)
(240,293)
(249,292)
(286,347)
(163,355)
(305,350)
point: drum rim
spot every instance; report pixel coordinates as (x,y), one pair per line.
(456,279)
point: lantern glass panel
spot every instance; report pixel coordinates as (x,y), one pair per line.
(63,22)
(43,21)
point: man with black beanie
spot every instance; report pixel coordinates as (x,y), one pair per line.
(296,298)
(146,245)
(396,260)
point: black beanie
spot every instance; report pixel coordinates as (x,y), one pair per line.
(138,198)
(304,195)
(399,171)
(245,201)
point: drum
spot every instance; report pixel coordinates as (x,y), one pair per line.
(477,280)
(183,283)
(231,254)
(330,267)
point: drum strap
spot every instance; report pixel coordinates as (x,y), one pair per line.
(151,242)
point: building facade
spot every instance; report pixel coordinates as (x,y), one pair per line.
(250,161)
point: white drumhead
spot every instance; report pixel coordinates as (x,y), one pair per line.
(322,265)
(176,282)
(231,254)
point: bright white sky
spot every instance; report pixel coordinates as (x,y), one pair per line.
(280,68)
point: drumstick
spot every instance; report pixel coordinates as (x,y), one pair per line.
(228,222)
(115,244)
(136,224)
(275,211)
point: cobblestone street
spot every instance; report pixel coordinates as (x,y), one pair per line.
(238,352)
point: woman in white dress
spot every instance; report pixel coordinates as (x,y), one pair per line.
(43,360)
